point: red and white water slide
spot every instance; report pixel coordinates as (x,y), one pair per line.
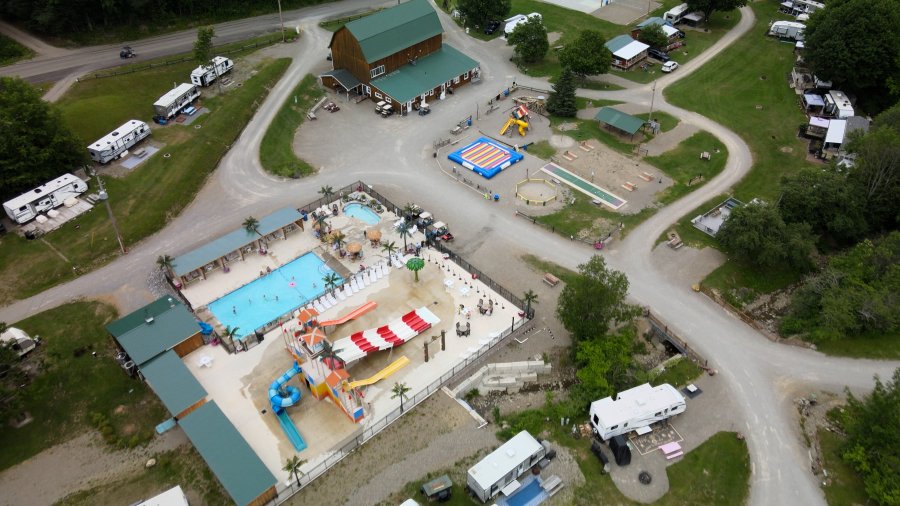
(352,315)
(395,333)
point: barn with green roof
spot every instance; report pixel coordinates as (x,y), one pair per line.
(397,55)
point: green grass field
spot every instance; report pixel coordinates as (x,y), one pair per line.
(276,152)
(744,89)
(881,347)
(846,487)
(683,164)
(11,51)
(679,373)
(144,200)
(73,384)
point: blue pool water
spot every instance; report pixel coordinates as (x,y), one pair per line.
(529,495)
(361,212)
(255,304)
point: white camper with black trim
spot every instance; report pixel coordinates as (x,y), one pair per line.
(113,144)
(174,101)
(204,75)
(635,408)
(27,206)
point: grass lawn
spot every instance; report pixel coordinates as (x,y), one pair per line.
(583,218)
(542,149)
(585,103)
(846,487)
(11,51)
(683,163)
(588,129)
(666,121)
(740,283)
(679,373)
(182,466)
(743,88)
(696,42)
(276,153)
(144,200)
(73,385)
(882,347)
(541,266)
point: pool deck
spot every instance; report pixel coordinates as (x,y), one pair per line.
(239,382)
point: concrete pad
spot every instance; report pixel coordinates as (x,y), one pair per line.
(133,161)
(625,12)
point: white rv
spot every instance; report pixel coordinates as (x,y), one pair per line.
(174,101)
(26,207)
(517,20)
(204,75)
(20,342)
(790,30)
(838,105)
(118,141)
(635,408)
(498,471)
(675,14)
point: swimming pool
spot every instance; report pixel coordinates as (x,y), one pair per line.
(529,495)
(361,212)
(264,299)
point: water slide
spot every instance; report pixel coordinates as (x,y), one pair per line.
(279,402)
(395,366)
(352,315)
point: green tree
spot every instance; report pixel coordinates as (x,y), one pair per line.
(165,264)
(854,43)
(405,231)
(824,200)
(232,334)
(707,7)
(654,36)
(326,191)
(594,300)
(586,56)
(876,175)
(757,234)
(562,100)
(389,248)
(203,45)
(35,145)
(604,365)
(331,354)
(292,467)
(415,264)
(530,40)
(400,390)
(480,13)
(331,281)
(855,294)
(530,298)
(872,424)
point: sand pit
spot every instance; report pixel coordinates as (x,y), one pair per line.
(537,191)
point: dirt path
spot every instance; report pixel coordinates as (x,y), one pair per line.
(75,465)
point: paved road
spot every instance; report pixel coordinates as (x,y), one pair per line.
(760,374)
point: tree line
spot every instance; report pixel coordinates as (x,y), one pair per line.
(72,17)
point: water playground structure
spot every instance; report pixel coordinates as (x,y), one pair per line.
(322,366)
(519,118)
(485,156)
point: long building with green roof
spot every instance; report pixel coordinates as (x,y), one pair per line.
(397,55)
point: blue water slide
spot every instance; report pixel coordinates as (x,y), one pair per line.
(290,430)
(282,396)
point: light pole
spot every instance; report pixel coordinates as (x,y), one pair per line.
(652,98)
(105,198)
(281,19)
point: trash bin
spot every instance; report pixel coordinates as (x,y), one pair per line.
(496,197)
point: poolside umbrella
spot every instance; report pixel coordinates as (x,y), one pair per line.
(354,247)
(374,234)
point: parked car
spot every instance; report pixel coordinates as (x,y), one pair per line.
(658,54)
(127,52)
(491,27)
(669,66)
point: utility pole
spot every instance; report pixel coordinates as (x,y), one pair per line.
(105,198)
(281,19)
(652,98)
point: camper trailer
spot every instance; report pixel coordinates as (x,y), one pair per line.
(498,472)
(518,19)
(789,30)
(838,105)
(635,409)
(204,75)
(675,14)
(118,141)
(26,207)
(18,340)
(174,101)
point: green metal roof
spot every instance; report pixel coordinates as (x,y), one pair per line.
(197,258)
(409,81)
(173,383)
(227,453)
(619,119)
(616,43)
(391,30)
(144,341)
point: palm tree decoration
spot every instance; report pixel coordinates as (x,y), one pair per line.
(328,352)
(165,263)
(293,465)
(326,191)
(232,333)
(331,281)
(415,264)
(405,231)
(390,248)
(338,238)
(409,209)
(321,221)
(400,390)
(251,225)
(530,298)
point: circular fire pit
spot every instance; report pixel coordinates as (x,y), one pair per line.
(644,477)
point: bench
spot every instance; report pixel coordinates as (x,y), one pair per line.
(674,455)
(550,279)
(139,153)
(552,485)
